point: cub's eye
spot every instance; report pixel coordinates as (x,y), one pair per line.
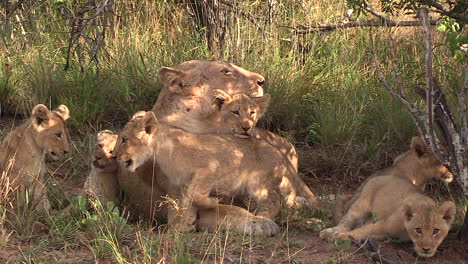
(436,231)
(100,146)
(252,113)
(58,134)
(124,139)
(236,113)
(418,230)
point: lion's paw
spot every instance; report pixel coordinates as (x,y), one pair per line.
(328,233)
(343,236)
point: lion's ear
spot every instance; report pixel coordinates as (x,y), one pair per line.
(150,123)
(447,210)
(408,212)
(419,147)
(172,79)
(262,103)
(63,112)
(138,114)
(40,116)
(104,133)
(220,97)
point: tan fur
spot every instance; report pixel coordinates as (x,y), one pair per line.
(418,165)
(102,183)
(239,114)
(402,211)
(185,102)
(208,163)
(23,151)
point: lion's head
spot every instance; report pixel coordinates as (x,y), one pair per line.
(424,161)
(428,224)
(133,146)
(50,130)
(185,100)
(102,155)
(239,114)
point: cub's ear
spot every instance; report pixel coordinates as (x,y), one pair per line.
(408,212)
(40,116)
(63,111)
(262,103)
(103,134)
(447,210)
(220,97)
(138,114)
(419,147)
(149,122)
(172,79)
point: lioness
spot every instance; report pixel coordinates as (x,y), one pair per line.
(102,183)
(402,211)
(418,165)
(209,162)
(23,151)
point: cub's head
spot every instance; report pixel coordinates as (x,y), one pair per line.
(102,155)
(134,145)
(428,224)
(50,130)
(239,114)
(422,160)
(210,74)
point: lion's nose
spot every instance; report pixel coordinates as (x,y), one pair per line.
(65,151)
(246,128)
(426,250)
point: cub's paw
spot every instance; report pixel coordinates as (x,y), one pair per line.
(344,236)
(328,233)
(261,226)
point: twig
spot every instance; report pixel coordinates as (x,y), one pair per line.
(370,248)
(369,23)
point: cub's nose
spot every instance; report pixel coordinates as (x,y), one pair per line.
(426,250)
(65,151)
(246,129)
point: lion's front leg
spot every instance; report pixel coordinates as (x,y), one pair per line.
(371,231)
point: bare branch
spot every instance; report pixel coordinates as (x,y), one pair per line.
(417,116)
(429,77)
(370,23)
(370,248)
(443,10)
(462,107)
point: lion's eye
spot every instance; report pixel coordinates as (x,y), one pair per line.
(124,139)
(436,231)
(226,71)
(236,113)
(252,113)
(58,134)
(418,230)
(100,146)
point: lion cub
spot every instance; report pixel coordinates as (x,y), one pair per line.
(23,151)
(418,165)
(197,165)
(402,211)
(102,183)
(239,114)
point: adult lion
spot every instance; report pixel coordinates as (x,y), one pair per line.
(184,102)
